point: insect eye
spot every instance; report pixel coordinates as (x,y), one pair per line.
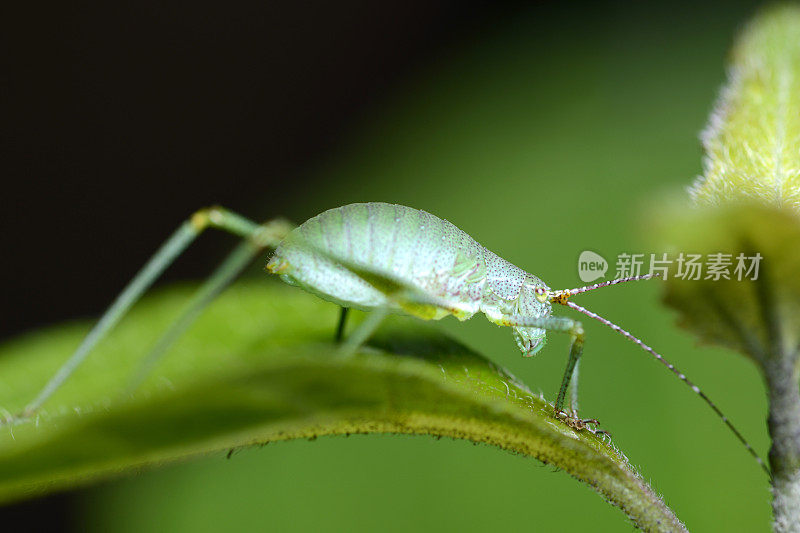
(541,293)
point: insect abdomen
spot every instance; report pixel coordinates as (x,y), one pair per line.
(408,244)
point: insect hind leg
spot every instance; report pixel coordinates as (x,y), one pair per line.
(214,217)
(266,236)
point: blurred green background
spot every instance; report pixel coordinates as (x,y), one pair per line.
(542,133)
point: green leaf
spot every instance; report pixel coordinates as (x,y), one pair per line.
(259,366)
(748,202)
(757,317)
(752,139)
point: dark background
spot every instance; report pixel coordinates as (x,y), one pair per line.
(119,120)
(122,119)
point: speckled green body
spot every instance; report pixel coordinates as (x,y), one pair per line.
(416,248)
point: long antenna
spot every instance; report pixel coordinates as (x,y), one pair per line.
(666,363)
(609,283)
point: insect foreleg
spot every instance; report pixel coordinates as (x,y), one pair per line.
(575,330)
(572,389)
(569,382)
(214,217)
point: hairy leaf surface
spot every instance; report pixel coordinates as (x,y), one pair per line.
(260,366)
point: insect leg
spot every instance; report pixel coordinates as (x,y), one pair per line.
(680,375)
(363,332)
(214,217)
(575,331)
(572,388)
(571,372)
(340,326)
(226,272)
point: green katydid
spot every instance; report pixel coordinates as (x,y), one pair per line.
(382,258)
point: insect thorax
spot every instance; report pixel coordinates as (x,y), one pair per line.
(510,291)
(531,340)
